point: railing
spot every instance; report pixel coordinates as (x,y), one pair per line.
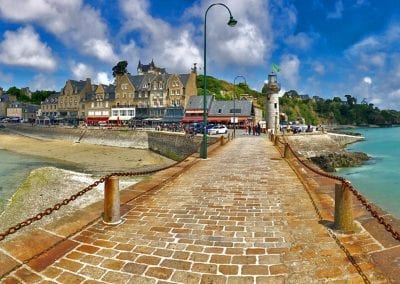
(343,215)
(111,196)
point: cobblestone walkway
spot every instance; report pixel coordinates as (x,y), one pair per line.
(242,216)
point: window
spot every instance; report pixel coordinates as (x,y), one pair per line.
(275,105)
(123,112)
(219,111)
(124,86)
(115,112)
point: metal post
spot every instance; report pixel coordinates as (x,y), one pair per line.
(111,215)
(344,220)
(232,22)
(234,102)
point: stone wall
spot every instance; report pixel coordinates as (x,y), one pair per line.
(174,145)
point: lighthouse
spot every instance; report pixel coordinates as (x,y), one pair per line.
(271,90)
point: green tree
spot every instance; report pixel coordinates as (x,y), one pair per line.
(120,68)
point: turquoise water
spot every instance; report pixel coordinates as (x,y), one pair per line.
(379,179)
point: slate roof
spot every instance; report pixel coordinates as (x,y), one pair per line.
(196,102)
(244,108)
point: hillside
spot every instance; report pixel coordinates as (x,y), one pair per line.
(314,110)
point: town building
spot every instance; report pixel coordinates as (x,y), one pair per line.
(18,111)
(220,112)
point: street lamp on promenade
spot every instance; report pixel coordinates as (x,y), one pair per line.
(232,22)
(234,102)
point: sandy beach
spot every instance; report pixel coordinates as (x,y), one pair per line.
(96,159)
(49,185)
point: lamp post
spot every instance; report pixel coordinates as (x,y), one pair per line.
(232,22)
(234,102)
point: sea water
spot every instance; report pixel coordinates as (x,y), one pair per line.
(14,169)
(379,179)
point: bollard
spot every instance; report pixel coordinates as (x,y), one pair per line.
(276,140)
(343,209)
(286,151)
(222,140)
(111,215)
(271,137)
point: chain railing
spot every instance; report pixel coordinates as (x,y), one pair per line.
(66,201)
(346,185)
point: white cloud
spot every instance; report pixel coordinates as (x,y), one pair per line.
(81,71)
(300,41)
(290,65)
(337,13)
(42,82)
(24,48)
(367,80)
(318,67)
(75,24)
(103,78)
(180,46)
(375,55)
(168,46)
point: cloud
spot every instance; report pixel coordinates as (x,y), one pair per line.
(337,13)
(375,55)
(367,80)
(290,65)
(82,71)
(103,78)
(42,82)
(77,25)
(181,45)
(168,46)
(300,41)
(24,48)
(318,67)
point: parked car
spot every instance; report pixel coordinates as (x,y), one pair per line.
(218,129)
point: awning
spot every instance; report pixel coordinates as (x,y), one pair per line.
(153,119)
(192,119)
(227,119)
(96,118)
(194,111)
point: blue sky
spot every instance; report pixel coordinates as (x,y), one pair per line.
(324,47)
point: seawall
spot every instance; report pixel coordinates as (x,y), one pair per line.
(174,145)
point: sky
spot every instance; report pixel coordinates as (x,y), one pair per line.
(326,48)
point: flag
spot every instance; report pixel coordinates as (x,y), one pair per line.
(275,68)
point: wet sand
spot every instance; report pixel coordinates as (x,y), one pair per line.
(48,185)
(97,159)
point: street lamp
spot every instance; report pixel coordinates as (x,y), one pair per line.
(234,102)
(232,22)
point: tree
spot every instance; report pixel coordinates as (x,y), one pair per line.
(120,68)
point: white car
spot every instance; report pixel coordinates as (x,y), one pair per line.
(218,129)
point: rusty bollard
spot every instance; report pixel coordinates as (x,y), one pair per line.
(286,151)
(344,220)
(111,215)
(221,140)
(276,140)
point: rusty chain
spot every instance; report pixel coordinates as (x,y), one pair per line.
(57,206)
(347,184)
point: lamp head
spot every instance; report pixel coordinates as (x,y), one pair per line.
(232,22)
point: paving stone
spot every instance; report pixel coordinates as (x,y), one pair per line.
(241,216)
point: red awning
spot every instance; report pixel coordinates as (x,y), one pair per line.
(192,119)
(96,119)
